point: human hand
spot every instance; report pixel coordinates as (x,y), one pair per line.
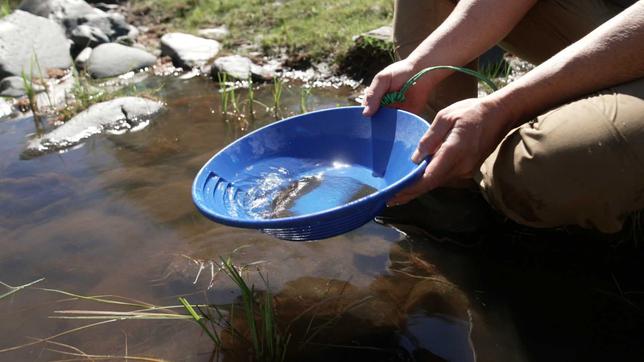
(392,78)
(460,138)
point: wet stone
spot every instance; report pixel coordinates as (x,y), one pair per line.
(118,114)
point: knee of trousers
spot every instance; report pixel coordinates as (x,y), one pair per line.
(571,166)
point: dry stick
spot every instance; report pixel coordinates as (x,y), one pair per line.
(57,335)
(18,288)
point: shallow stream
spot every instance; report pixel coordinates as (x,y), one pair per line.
(115,217)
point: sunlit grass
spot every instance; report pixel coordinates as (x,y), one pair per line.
(313,29)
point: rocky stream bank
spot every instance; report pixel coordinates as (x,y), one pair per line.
(58,57)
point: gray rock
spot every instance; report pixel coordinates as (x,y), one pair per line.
(82,58)
(105,7)
(112,24)
(109,60)
(72,13)
(115,115)
(263,72)
(235,66)
(240,68)
(57,10)
(384,33)
(218,33)
(187,50)
(12,87)
(85,36)
(25,37)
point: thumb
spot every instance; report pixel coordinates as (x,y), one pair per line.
(373,94)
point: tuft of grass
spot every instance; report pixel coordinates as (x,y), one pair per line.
(268,343)
(199,320)
(30,90)
(251,98)
(84,95)
(498,72)
(224,95)
(307,28)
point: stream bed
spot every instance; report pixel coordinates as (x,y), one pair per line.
(115,217)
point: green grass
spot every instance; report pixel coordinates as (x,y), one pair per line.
(7,6)
(85,94)
(311,29)
(305,92)
(278,86)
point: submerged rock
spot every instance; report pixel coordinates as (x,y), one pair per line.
(116,115)
(111,59)
(187,50)
(29,42)
(240,68)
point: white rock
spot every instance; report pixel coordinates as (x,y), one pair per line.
(218,33)
(187,50)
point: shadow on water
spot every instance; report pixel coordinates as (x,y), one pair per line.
(115,217)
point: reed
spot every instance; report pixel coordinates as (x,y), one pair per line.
(234,100)
(278,85)
(13,290)
(251,98)
(223,91)
(305,92)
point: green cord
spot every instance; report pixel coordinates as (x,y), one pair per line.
(398,97)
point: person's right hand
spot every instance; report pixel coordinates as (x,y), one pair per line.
(392,79)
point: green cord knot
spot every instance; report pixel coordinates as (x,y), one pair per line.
(399,96)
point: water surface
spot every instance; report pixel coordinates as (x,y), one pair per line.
(115,217)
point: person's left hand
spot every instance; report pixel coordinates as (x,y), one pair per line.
(459,139)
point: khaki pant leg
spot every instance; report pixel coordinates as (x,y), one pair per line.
(580,164)
(552,25)
(414,20)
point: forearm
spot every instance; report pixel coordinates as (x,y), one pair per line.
(473,27)
(611,54)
